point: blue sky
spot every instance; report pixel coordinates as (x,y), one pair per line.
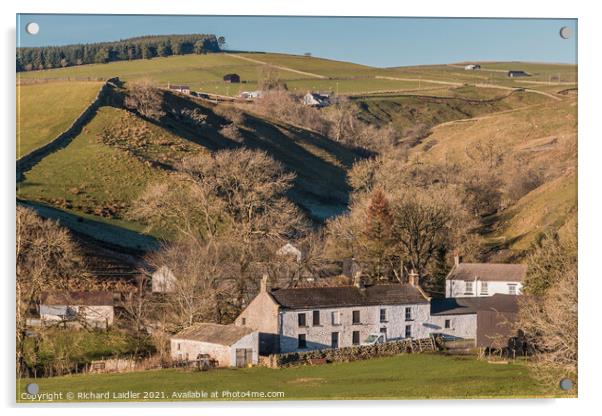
(371,41)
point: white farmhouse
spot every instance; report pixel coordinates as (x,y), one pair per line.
(302,319)
(230,345)
(92,308)
(484,279)
(472,67)
(163,280)
(313,99)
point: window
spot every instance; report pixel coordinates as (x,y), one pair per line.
(408,331)
(356,317)
(448,323)
(408,314)
(301,318)
(512,289)
(336,318)
(179,346)
(383,331)
(302,341)
(383,315)
(469,288)
(355,340)
(484,288)
(316,318)
(334,340)
(244,321)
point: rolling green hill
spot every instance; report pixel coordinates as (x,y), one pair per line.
(44,110)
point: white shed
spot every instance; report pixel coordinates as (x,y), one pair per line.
(163,280)
(93,308)
(230,345)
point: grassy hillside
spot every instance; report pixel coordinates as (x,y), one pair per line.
(412,376)
(44,110)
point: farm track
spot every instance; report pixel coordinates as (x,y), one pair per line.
(284,68)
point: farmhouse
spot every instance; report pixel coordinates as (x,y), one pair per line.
(313,99)
(184,89)
(92,308)
(472,67)
(301,319)
(251,95)
(487,320)
(516,74)
(484,279)
(230,345)
(232,78)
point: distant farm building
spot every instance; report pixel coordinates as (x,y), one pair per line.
(251,95)
(163,280)
(313,99)
(472,67)
(289,250)
(517,74)
(184,89)
(90,308)
(229,345)
(232,78)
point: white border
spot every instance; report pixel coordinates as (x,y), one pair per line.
(589,188)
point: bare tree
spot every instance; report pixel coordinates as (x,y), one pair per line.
(146,99)
(47,259)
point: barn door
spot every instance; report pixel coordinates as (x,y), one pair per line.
(244,356)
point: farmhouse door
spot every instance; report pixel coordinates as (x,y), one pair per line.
(244,356)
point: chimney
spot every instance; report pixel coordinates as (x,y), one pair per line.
(457,259)
(264,283)
(413,278)
(358,281)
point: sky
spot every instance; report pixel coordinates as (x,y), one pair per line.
(381,42)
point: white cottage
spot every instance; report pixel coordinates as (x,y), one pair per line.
(484,279)
(92,308)
(230,345)
(302,319)
(313,99)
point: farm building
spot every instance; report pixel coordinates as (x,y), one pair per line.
(301,319)
(472,67)
(251,95)
(92,308)
(484,279)
(313,99)
(289,250)
(487,320)
(163,280)
(184,89)
(232,78)
(230,345)
(517,74)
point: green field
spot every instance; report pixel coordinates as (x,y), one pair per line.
(412,376)
(44,110)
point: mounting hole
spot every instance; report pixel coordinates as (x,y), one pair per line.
(566,384)
(32,28)
(565,32)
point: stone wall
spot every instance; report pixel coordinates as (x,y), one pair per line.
(348,354)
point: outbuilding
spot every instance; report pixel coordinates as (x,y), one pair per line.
(232,78)
(92,308)
(229,345)
(517,74)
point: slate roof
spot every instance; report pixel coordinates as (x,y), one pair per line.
(214,333)
(342,296)
(77,298)
(488,272)
(472,305)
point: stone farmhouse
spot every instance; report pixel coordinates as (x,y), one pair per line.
(290,320)
(484,279)
(92,308)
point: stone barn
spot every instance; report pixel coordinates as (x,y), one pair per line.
(230,345)
(92,308)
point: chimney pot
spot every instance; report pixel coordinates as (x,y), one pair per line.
(264,283)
